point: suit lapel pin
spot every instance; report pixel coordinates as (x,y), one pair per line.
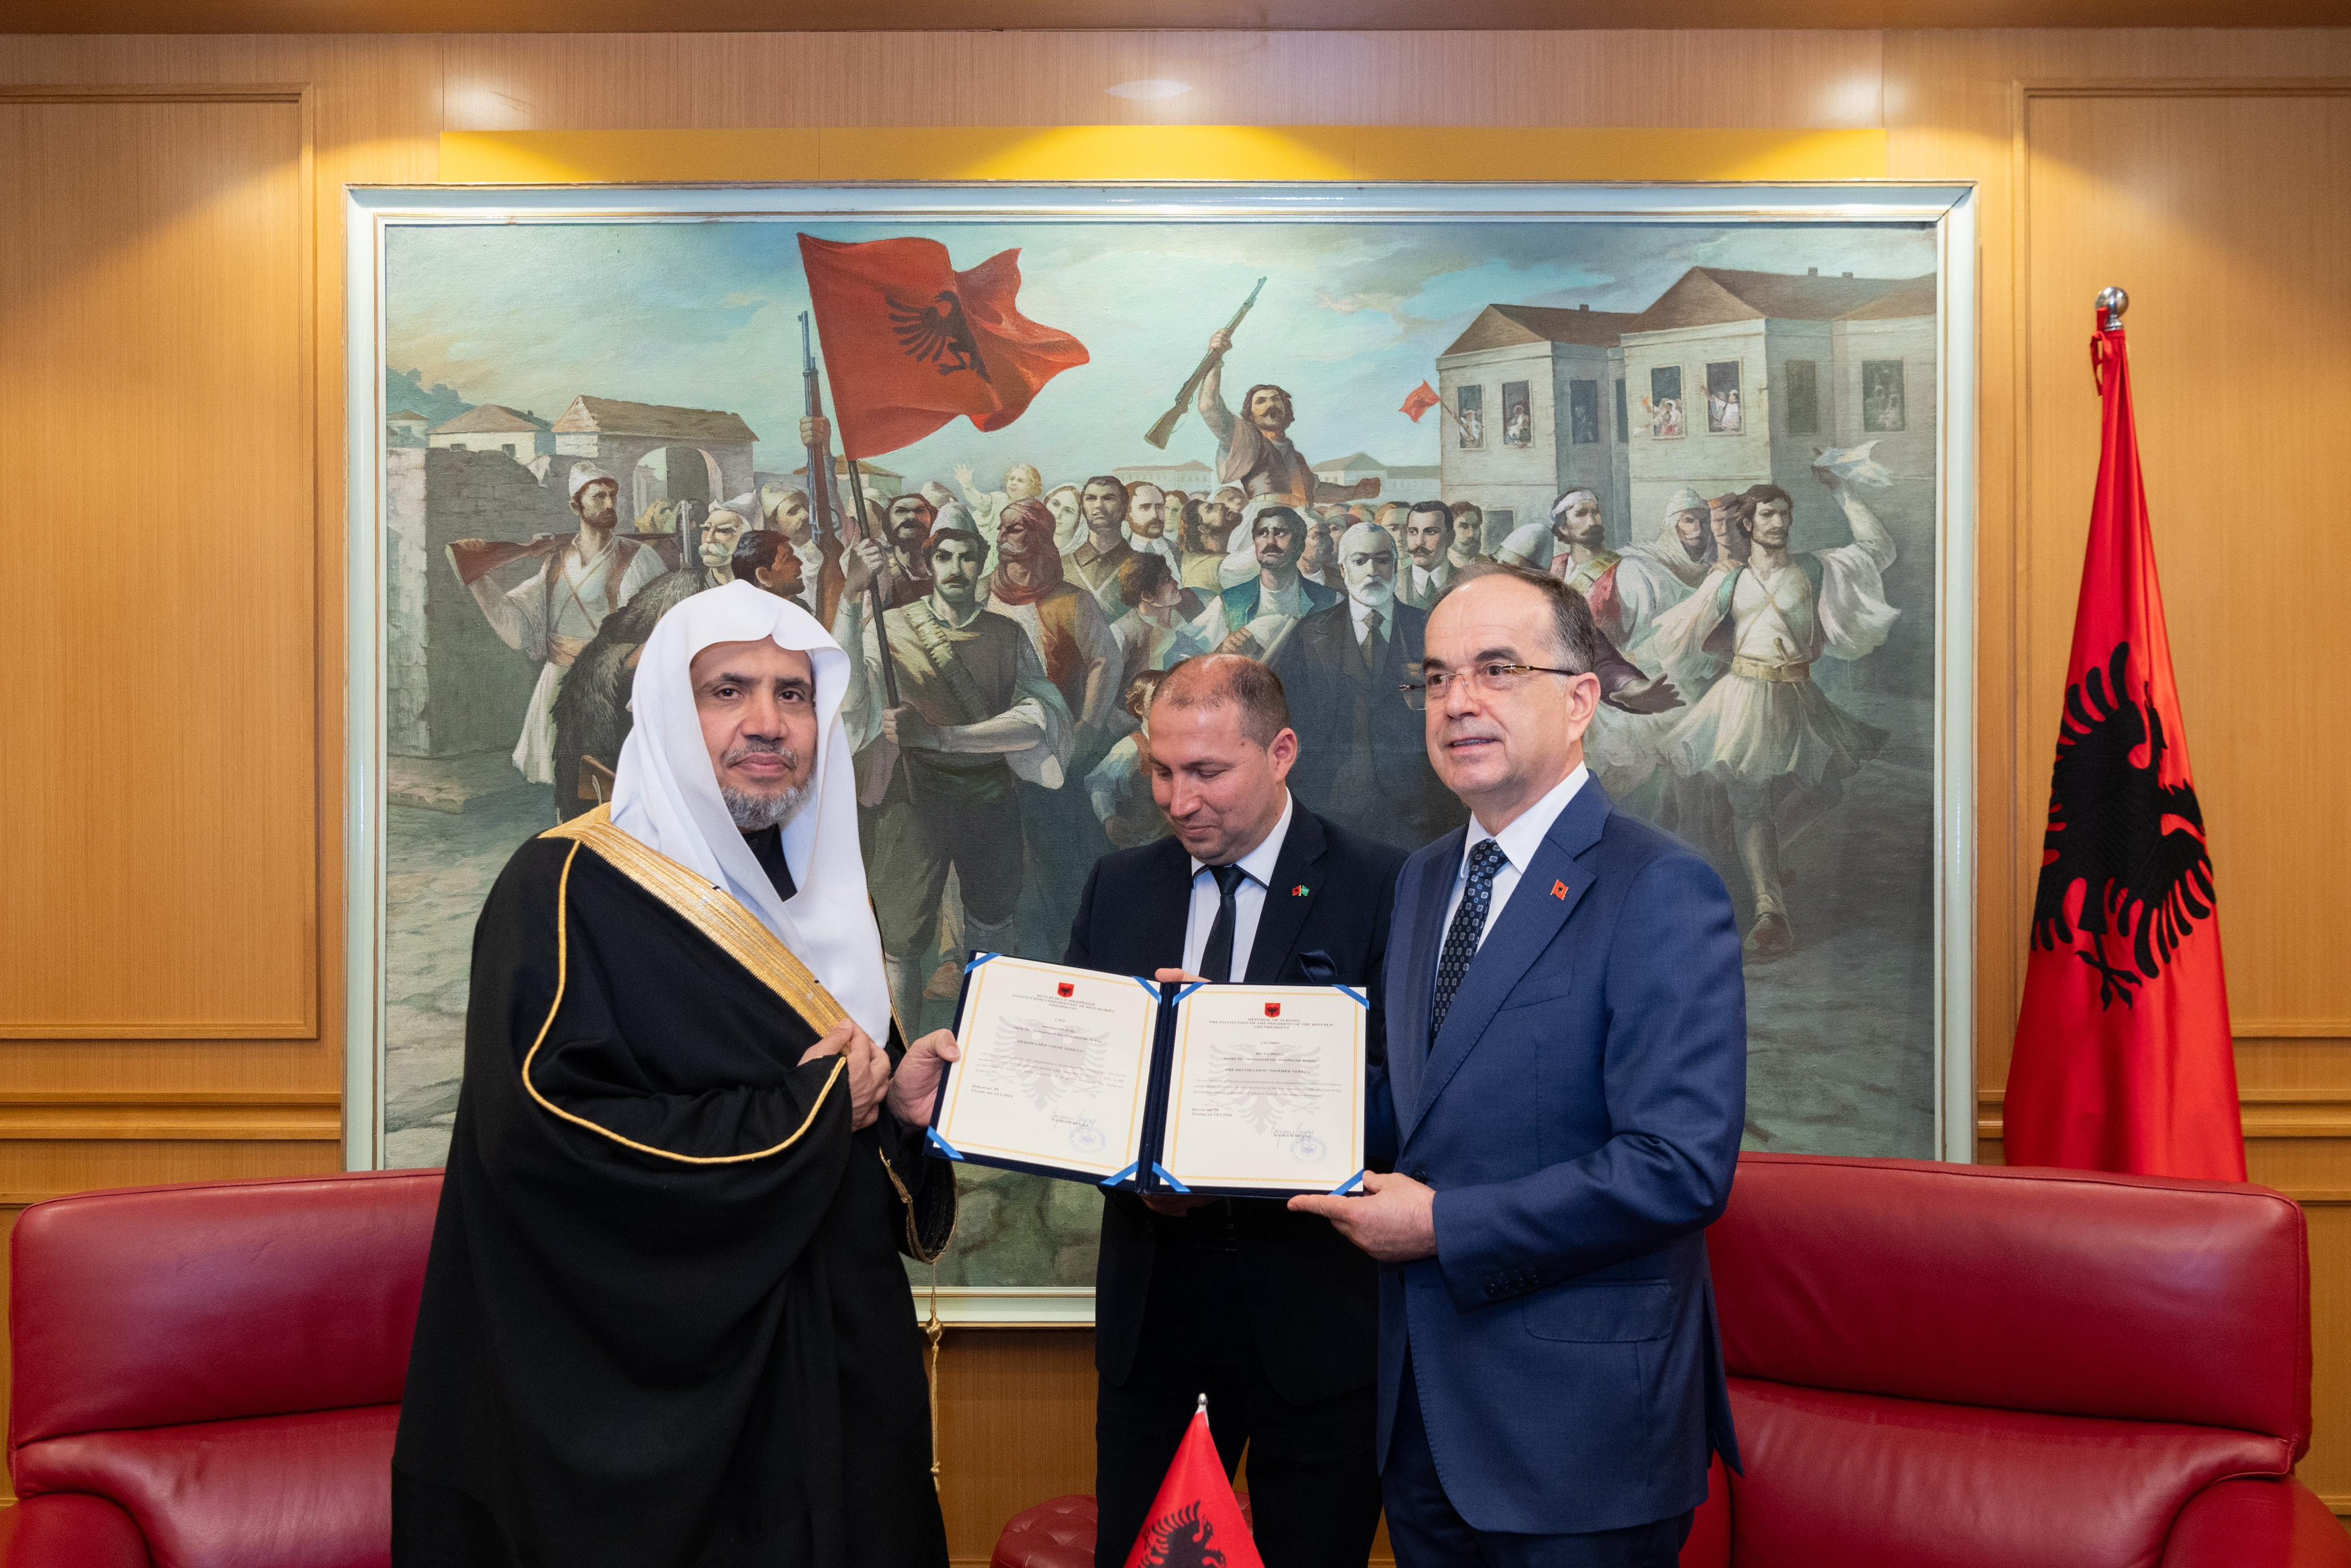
(1298,892)
(1559,890)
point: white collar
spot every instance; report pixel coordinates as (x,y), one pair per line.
(1525,833)
(1259,862)
(1360,612)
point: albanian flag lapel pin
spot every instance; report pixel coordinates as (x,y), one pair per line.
(1298,891)
(1559,890)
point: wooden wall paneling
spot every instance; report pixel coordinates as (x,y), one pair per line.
(163,863)
(583,82)
(2240,270)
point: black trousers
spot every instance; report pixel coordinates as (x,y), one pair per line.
(1315,1487)
(1428,1533)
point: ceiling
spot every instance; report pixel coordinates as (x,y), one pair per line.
(982,16)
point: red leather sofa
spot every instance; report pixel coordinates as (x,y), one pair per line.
(1958,1367)
(209,1376)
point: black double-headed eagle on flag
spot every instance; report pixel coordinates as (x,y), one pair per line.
(937,334)
(2135,842)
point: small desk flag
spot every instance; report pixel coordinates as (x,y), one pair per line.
(1194,1519)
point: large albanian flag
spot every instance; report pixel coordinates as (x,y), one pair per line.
(912,344)
(2123,1061)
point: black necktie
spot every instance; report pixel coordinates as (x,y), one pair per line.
(1217,958)
(1468,927)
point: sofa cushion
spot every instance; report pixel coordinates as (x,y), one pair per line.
(165,1306)
(1858,1480)
(2064,1291)
(1057,1534)
(69,1531)
(277,1491)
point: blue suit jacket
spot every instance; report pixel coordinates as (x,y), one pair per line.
(1579,1117)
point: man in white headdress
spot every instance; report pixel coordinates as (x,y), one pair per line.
(550,615)
(665,1321)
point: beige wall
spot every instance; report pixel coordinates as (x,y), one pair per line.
(173,999)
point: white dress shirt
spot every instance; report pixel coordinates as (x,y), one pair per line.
(1249,900)
(1520,841)
(1362,614)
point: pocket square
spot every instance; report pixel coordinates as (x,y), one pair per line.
(1317,968)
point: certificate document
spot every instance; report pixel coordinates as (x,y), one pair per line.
(1266,1089)
(1055,1070)
(1236,1090)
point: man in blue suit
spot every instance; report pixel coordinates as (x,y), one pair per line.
(1567,1039)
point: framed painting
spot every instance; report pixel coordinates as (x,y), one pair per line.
(572,406)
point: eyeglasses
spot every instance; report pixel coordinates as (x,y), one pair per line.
(1493,680)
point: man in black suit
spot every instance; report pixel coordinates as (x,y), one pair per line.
(1268,1313)
(1361,759)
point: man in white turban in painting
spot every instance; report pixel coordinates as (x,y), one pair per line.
(550,616)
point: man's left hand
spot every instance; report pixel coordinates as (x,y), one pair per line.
(869,1069)
(916,1085)
(1394,1220)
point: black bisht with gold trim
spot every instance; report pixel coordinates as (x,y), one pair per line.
(664,1321)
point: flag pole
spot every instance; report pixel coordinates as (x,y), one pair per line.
(2114,300)
(874,590)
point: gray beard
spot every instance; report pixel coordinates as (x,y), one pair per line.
(752,813)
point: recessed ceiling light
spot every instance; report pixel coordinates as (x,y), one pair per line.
(1149,88)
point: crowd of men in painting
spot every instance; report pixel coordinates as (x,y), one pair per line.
(1027,616)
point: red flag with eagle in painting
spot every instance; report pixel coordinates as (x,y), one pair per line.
(911,343)
(1196,1522)
(2123,1061)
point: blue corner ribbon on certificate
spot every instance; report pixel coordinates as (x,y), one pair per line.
(978,959)
(1161,1172)
(1147,986)
(1359,999)
(1131,1170)
(949,1150)
(1189,990)
(1352,1182)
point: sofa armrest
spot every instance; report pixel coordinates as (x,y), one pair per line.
(2255,1524)
(70,1530)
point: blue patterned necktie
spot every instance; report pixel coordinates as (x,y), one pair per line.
(1469,926)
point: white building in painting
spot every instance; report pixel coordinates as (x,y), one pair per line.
(1729,378)
(1192,477)
(1532,407)
(659,453)
(492,427)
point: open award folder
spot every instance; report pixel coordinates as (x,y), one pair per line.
(1233,1090)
